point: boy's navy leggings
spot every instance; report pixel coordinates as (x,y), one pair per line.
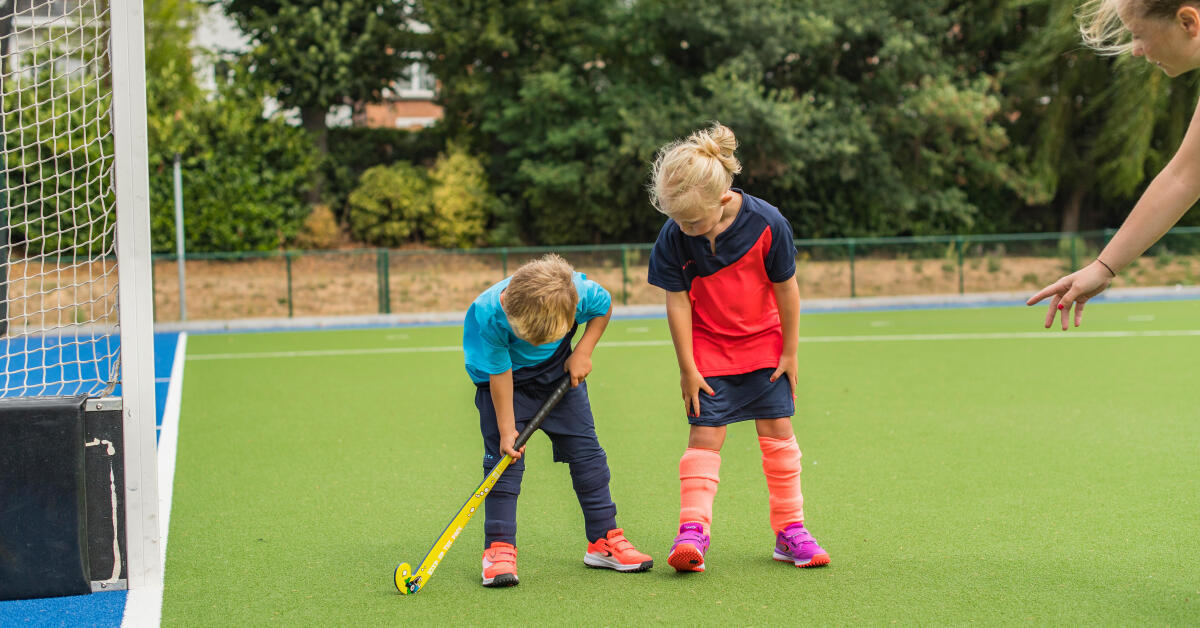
(572,433)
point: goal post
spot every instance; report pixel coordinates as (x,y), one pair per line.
(78,450)
(136,292)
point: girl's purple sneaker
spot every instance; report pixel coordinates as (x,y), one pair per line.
(797,546)
(687,553)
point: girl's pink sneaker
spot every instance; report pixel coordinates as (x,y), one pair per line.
(687,553)
(797,546)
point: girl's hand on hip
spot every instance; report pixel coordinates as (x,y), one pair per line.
(691,383)
(790,365)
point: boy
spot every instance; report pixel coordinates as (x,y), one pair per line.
(517,344)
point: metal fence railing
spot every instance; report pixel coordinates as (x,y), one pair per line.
(277,284)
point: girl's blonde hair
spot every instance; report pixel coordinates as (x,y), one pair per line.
(694,172)
(540,300)
(1101,26)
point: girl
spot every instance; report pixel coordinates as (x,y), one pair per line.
(727,262)
(1167,34)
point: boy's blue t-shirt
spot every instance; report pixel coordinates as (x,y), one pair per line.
(491,348)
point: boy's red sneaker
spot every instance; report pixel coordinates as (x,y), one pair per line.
(500,565)
(614,551)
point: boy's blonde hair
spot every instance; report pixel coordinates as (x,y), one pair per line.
(695,172)
(540,300)
(1101,26)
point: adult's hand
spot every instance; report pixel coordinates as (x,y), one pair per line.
(1073,290)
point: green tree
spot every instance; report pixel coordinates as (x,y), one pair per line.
(523,84)
(862,117)
(170,82)
(322,53)
(245,174)
(853,117)
(1097,128)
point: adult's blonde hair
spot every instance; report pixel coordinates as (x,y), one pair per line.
(694,172)
(540,299)
(1101,26)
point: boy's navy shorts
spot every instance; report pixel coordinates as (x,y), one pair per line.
(569,425)
(746,396)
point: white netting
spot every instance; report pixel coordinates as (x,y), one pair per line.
(57,210)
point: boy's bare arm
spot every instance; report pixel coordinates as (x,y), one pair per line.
(679,319)
(506,421)
(787,295)
(579,363)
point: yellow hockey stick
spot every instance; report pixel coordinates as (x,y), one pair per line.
(408,581)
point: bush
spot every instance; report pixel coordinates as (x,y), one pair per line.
(244,176)
(389,205)
(354,150)
(461,201)
(320,230)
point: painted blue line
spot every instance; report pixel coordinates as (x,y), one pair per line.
(98,609)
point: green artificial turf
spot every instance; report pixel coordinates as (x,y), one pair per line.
(1045,480)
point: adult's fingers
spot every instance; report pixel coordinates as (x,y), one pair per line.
(1064,306)
(1052,310)
(1079,311)
(1057,287)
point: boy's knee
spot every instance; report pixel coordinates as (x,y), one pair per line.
(510,481)
(590,473)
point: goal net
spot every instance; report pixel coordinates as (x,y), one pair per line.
(58,198)
(76,318)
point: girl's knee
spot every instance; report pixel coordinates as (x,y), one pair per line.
(706,437)
(774,428)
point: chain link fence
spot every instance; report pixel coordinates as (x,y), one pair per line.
(287,284)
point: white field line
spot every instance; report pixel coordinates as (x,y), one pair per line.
(1035,335)
(143,606)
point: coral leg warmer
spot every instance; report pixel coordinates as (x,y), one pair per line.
(698,479)
(781,465)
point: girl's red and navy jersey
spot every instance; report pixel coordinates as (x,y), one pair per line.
(735,319)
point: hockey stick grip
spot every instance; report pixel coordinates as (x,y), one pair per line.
(547,406)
